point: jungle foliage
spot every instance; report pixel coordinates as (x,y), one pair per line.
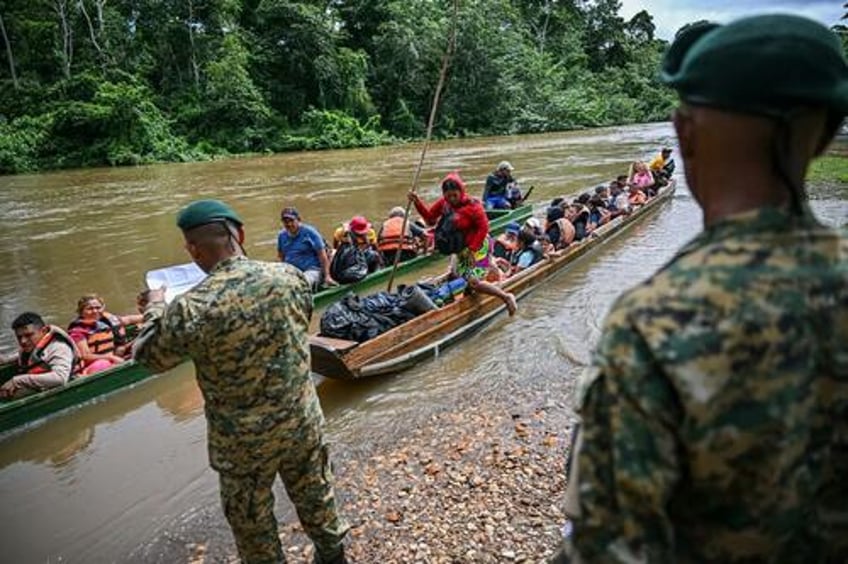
(117,82)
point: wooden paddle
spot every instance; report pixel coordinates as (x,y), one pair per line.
(436,95)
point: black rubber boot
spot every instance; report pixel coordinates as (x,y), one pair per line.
(339,558)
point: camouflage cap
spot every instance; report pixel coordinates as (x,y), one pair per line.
(201,212)
(765,65)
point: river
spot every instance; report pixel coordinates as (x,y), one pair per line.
(127,478)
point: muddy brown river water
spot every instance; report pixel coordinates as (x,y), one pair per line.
(126,478)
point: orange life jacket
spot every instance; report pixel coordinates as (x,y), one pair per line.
(637,198)
(390,236)
(566,231)
(104,334)
(34,362)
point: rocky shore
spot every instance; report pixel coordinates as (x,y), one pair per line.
(479,481)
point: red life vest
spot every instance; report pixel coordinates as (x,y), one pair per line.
(34,362)
(390,236)
(104,334)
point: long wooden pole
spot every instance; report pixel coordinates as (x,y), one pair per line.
(436,96)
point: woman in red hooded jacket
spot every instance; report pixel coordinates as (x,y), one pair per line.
(469,217)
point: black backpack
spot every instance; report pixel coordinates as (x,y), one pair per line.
(449,240)
(349,264)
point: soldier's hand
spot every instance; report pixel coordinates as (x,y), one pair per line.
(155,296)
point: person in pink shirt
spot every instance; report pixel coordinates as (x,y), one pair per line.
(642,178)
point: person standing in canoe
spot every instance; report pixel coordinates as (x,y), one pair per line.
(245,327)
(715,418)
(462,228)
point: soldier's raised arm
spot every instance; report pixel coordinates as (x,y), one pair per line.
(162,343)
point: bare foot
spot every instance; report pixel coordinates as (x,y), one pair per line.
(511,304)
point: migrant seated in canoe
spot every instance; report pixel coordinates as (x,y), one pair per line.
(578,215)
(501,191)
(642,178)
(559,230)
(603,192)
(598,213)
(389,239)
(637,196)
(100,336)
(507,242)
(463,230)
(301,246)
(619,200)
(530,251)
(662,166)
(47,357)
(358,231)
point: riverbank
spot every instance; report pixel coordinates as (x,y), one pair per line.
(473,481)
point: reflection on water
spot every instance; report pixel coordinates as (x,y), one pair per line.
(183,400)
(127,478)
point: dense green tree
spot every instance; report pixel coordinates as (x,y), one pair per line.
(128,81)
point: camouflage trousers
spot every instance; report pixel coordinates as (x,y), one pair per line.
(249,505)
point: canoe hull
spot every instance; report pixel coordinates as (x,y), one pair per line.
(426,335)
(32,408)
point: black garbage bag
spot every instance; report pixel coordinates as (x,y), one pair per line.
(448,239)
(359,319)
(349,264)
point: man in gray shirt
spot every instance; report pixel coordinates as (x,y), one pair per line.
(47,358)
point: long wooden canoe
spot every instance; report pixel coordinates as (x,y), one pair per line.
(498,221)
(427,334)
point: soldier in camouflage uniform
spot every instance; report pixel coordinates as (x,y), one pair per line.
(245,328)
(715,418)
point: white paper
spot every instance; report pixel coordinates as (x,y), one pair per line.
(176,279)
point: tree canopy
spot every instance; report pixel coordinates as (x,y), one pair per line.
(92,82)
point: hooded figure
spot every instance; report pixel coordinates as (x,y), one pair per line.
(468,213)
(460,215)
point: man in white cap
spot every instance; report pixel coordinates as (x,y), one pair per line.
(498,185)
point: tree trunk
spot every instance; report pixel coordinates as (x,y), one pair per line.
(81,6)
(100,4)
(543,34)
(61,9)
(195,70)
(9,54)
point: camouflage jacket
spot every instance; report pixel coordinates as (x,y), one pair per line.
(245,327)
(715,419)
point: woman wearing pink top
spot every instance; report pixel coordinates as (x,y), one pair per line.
(640,177)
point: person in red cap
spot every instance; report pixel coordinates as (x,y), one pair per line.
(359,232)
(463,219)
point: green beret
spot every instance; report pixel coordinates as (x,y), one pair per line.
(201,212)
(765,65)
